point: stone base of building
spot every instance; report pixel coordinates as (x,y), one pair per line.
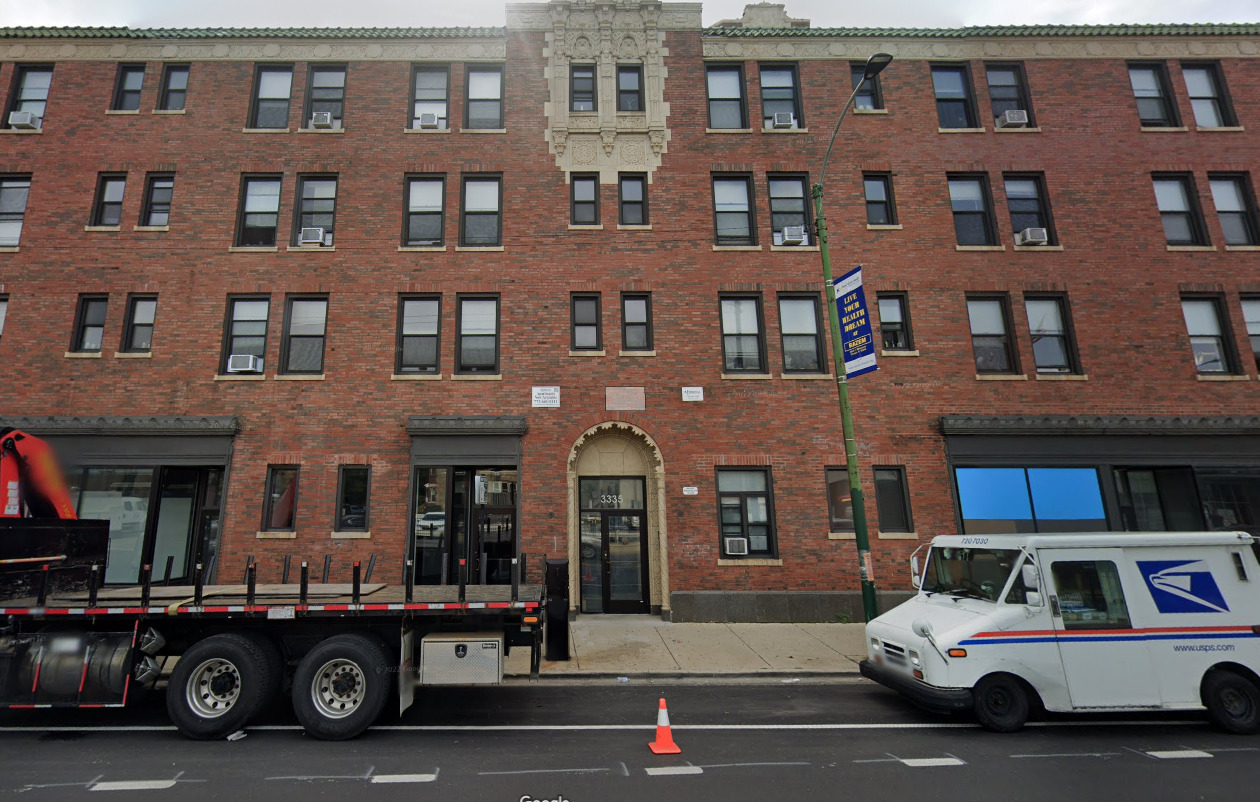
(775,606)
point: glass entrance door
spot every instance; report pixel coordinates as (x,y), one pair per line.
(612,547)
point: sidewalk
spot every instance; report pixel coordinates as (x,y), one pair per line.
(646,646)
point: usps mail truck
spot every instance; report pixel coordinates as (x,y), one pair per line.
(1004,624)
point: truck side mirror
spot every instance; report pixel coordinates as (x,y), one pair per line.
(1032,598)
(915,577)
(1029,574)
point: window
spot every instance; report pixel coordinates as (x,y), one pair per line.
(260,212)
(280,501)
(302,347)
(1090,595)
(425,218)
(157,200)
(477,349)
(485,98)
(629,87)
(326,93)
(173,95)
(584,318)
(14,191)
(1026,200)
(955,106)
(1007,91)
(127,90)
(802,334)
(138,334)
(1029,500)
(732,211)
(894,322)
(892,499)
(839,501)
(352,498)
(780,97)
(89,324)
(316,210)
(1179,210)
(636,322)
(632,209)
(726,96)
(1236,208)
(30,94)
(1204,323)
(582,87)
(4,312)
(745,512)
(1251,316)
(973,217)
(880,209)
(271,97)
(1053,349)
(789,208)
(246,329)
(990,341)
(419,319)
(868,97)
(1154,100)
(1208,99)
(107,211)
(430,96)
(742,344)
(481,226)
(584,199)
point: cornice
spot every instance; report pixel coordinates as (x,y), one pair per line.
(465,425)
(277,48)
(1098,425)
(155,425)
(924,47)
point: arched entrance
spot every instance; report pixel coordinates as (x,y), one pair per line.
(616,522)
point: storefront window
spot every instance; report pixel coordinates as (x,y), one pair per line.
(1027,500)
(121,496)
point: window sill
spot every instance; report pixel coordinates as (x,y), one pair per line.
(121,112)
(979,247)
(151,228)
(313,248)
(477,377)
(1223,377)
(1001,377)
(736,247)
(728,130)
(422,249)
(881,227)
(83,354)
(620,227)
(264,130)
(415,377)
(299,377)
(321,130)
(239,377)
(1190,248)
(1226,128)
(842,536)
(805,376)
(1227,247)
(276,535)
(597,227)
(133,355)
(426,130)
(870,111)
(785,130)
(478,249)
(350,535)
(1035,130)
(1037,247)
(751,561)
(483,130)
(105,229)
(899,353)
(253,249)
(1163,129)
(10,249)
(897,535)
(591,352)
(636,353)
(21,131)
(169,112)
(960,130)
(788,248)
(747,376)
(1062,377)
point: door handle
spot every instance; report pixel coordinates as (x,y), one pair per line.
(1054,606)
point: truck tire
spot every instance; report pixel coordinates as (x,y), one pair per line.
(341,685)
(275,663)
(1232,702)
(1001,703)
(217,686)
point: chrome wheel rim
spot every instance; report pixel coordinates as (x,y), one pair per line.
(338,688)
(213,688)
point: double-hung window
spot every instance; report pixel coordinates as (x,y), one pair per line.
(245,333)
(636,322)
(743,343)
(584,317)
(1008,92)
(1206,324)
(4,312)
(892,499)
(272,86)
(302,347)
(632,208)
(316,210)
(1236,207)
(584,199)
(1179,210)
(973,212)
(955,102)
(725,84)
(482,216)
(280,499)
(894,322)
(158,190)
(780,97)
(484,109)
(477,345)
(173,95)
(991,341)
(745,512)
(430,97)
(1026,200)
(1208,98)
(425,204)
(1154,98)
(260,211)
(138,332)
(1251,316)
(14,191)
(630,87)
(880,208)
(868,97)
(419,319)
(127,88)
(89,324)
(839,500)
(802,334)
(789,210)
(326,94)
(1053,349)
(732,211)
(107,211)
(582,87)
(353,482)
(30,95)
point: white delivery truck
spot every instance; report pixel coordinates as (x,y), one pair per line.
(1078,622)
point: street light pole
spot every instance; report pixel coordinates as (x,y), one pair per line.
(874,64)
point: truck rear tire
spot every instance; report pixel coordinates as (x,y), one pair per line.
(1001,703)
(341,686)
(218,685)
(1232,702)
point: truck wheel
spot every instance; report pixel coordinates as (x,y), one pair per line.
(1232,702)
(217,686)
(1001,703)
(275,663)
(341,686)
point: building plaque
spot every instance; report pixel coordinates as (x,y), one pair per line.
(627,399)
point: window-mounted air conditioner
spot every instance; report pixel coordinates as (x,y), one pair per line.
(322,119)
(428,120)
(1032,236)
(244,363)
(793,235)
(784,119)
(736,545)
(1014,118)
(311,236)
(25,120)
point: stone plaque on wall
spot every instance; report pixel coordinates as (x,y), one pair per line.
(628,399)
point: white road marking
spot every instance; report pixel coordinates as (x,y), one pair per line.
(1074,754)
(30,787)
(133,785)
(543,771)
(741,765)
(367,775)
(404,778)
(658,771)
(931,762)
(1179,754)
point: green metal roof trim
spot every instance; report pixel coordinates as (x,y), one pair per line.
(253,33)
(1195,29)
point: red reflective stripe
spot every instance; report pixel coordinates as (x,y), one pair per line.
(375,607)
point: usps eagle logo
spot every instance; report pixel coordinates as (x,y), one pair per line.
(1178,589)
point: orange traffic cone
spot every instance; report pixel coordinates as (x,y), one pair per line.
(664,743)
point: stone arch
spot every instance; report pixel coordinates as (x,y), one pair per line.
(617,448)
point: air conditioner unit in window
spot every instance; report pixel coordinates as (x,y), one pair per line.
(244,363)
(322,119)
(1032,236)
(736,545)
(1014,118)
(784,119)
(311,236)
(793,235)
(25,120)
(428,120)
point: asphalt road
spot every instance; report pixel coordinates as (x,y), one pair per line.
(588,741)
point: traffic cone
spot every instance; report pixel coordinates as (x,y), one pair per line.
(664,743)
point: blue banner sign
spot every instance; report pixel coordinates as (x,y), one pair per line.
(855,324)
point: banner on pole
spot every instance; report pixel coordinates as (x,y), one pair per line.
(855,324)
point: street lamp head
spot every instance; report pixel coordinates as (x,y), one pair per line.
(875,64)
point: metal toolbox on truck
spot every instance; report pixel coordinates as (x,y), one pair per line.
(461,658)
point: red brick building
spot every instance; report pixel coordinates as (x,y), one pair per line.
(448,294)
